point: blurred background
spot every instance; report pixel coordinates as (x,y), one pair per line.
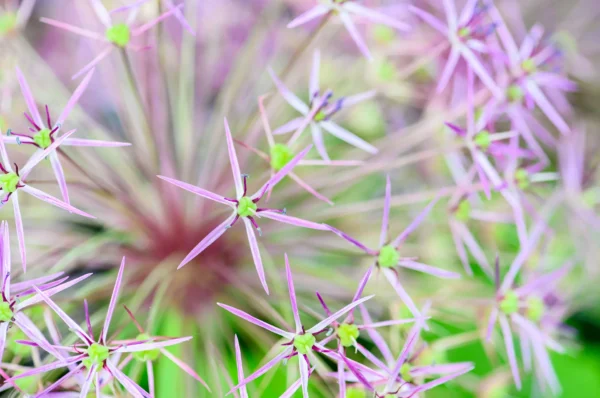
(186,85)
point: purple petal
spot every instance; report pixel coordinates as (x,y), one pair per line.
(363,283)
(395,282)
(308,16)
(480,71)
(265,368)
(233,160)
(348,137)
(152,346)
(351,28)
(74,98)
(153,22)
(308,188)
(185,367)
(83,142)
(547,108)
(273,181)
(198,191)
(208,240)
(57,383)
(292,293)
(437,382)
(416,222)
(38,156)
(29,99)
(430,19)
(440,369)
(317,136)
(448,69)
(303,376)
(240,368)
(255,254)
(287,95)
(19,228)
(293,220)
(313,88)
(256,321)
(60,176)
(6,260)
(451,16)
(113,301)
(440,273)
(378,340)
(374,16)
(89,66)
(129,384)
(510,350)
(327,321)
(53,201)
(386,212)
(89,378)
(290,126)
(48,367)
(73,29)
(49,292)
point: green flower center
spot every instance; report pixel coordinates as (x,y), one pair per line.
(388,256)
(483,139)
(384,34)
(386,71)
(119,34)
(405,372)
(514,93)
(246,207)
(6,313)
(149,355)
(535,308)
(42,138)
(9,182)
(348,334)
(97,354)
(354,392)
(8,21)
(280,156)
(522,178)
(304,343)
(320,116)
(510,303)
(464,32)
(463,211)
(528,66)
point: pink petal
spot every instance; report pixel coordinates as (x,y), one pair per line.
(57,383)
(303,376)
(437,382)
(351,28)
(129,384)
(547,108)
(113,301)
(94,143)
(89,378)
(290,126)
(327,321)
(451,16)
(287,95)
(19,228)
(73,29)
(152,346)
(292,293)
(386,212)
(293,220)
(74,98)
(308,16)
(185,367)
(274,180)
(101,12)
(240,368)
(430,19)
(53,201)
(208,240)
(415,223)
(38,156)
(308,188)
(378,340)
(150,24)
(50,292)
(6,260)
(314,75)
(29,99)
(101,55)
(346,136)
(374,16)
(198,191)
(510,350)
(395,282)
(60,176)
(266,367)
(257,322)
(255,253)
(317,136)
(233,160)
(440,273)
(480,71)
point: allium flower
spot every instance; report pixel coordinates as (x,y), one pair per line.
(319,112)
(245,207)
(11,181)
(93,355)
(302,342)
(117,35)
(387,257)
(45,132)
(346,9)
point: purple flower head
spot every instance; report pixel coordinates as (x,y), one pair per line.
(245,207)
(318,112)
(345,10)
(302,342)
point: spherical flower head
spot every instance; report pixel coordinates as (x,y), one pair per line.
(535,308)
(510,303)
(280,156)
(6,313)
(514,93)
(119,34)
(522,178)
(149,355)
(388,256)
(8,22)
(304,343)
(42,138)
(483,139)
(528,66)
(356,392)
(405,372)
(97,354)
(9,182)
(348,334)
(463,211)
(246,207)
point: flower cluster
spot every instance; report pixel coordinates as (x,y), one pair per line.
(493,108)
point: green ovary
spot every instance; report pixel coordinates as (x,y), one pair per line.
(9,182)
(246,207)
(149,355)
(280,156)
(514,93)
(348,334)
(528,66)
(97,354)
(522,178)
(388,256)
(510,303)
(320,116)
(463,211)
(6,313)
(464,32)
(304,342)
(386,71)
(483,139)
(354,392)
(535,308)
(8,21)
(405,372)
(42,138)
(119,34)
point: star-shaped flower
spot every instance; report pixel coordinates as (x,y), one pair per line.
(45,132)
(302,342)
(346,9)
(319,111)
(117,35)
(245,207)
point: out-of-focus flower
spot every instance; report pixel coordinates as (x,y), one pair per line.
(14,16)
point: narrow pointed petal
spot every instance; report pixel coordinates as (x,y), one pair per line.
(101,55)
(355,34)
(60,176)
(72,372)
(429,19)
(73,29)
(74,98)
(38,156)
(6,260)
(308,16)
(233,160)
(185,367)
(415,223)
(198,191)
(451,16)
(440,381)
(327,321)
(287,95)
(358,98)
(292,293)
(460,248)
(113,301)
(152,23)
(374,16)
(395,282)
(19,228)
(362,284)
(303,376)
(255,253)
(273,181)
(290,126)
(475,249)
(152,346)
(208,240)
(3,330)
(126,382)
(94,143)
(440,273)
(48,367)
(467,11)
(308,188)
(240,368)
(510,350)
(385,222)
(481,71)
(549,110)
(344,135)
(440,369)
(101,12)
(378,340)
(293,220)
(448,69)
(89,378)
(264,369)
(313,89)
(50,292)
(491,323)
(53,201)
(256,321)
(317,136)
(29,99)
